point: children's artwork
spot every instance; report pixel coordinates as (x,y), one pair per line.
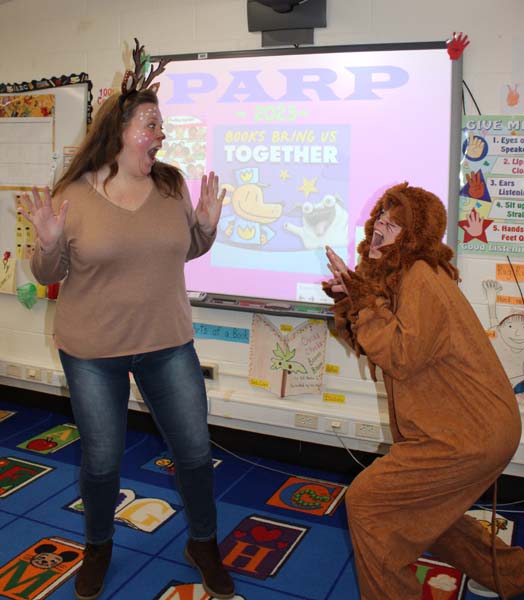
(287,364)
(7,273)
(18,106)
(42,122)
(506,335)
(511,99)
(25,235)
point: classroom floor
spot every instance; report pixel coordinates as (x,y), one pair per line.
(282,527)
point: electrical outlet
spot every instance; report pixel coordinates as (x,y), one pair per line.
(14,371)
(33,374)
(54,378)
(306,421)
(209,371)
(337,426)
(368,430)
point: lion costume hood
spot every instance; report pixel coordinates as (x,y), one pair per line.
(422,217)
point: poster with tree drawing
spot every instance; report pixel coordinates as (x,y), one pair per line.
(287,364)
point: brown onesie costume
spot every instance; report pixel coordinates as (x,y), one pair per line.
(453,414)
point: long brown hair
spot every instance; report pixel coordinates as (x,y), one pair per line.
(103,143)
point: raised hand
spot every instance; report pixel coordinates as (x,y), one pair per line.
(209,204)
(39,211)
(491,288)
(337,266)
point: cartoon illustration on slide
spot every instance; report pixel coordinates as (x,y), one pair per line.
(323,223)
(248,224)
(509,337)
(185,145)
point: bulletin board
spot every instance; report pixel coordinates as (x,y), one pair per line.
(41,125)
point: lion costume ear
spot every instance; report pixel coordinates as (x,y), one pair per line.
(137,81)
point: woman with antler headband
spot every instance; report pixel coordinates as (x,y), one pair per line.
(453,415)
(117,232)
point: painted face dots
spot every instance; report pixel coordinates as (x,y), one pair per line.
(144,125)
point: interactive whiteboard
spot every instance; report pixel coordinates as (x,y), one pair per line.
(305,141)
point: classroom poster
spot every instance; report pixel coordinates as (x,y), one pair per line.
(491,226)
(287,363)
(42,122)
(491,204)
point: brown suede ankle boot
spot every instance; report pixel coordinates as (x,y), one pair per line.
(206,558)
(89,581)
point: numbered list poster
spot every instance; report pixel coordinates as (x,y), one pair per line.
(491,206)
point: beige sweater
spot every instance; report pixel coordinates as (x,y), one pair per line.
(123,289)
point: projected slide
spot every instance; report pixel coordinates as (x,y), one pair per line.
(304,144)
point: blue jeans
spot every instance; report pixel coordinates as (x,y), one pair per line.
(173,388)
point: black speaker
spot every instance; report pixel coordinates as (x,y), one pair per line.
(273,15)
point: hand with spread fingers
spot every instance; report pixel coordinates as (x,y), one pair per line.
(349,289)
(210,202)
(39,211)
(335,287)
(129,231)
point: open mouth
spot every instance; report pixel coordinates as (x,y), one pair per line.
(152,153)
(377,239)
(320,220)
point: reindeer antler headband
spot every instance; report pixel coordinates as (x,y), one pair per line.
(136,81)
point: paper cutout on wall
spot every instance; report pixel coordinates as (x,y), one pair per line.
(290,364)
(512,98)
(7,273)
